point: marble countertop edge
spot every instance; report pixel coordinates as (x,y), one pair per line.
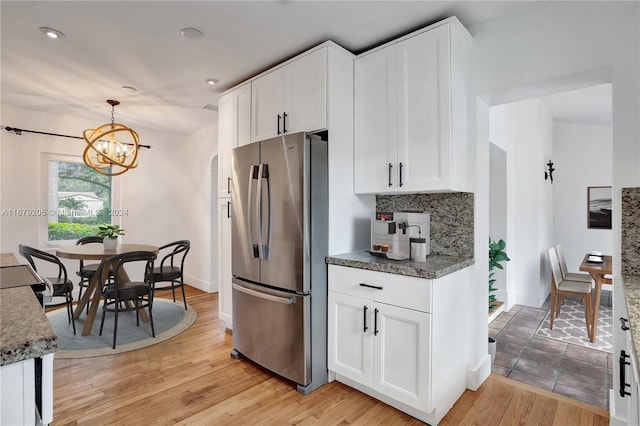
(25,331)
(435,267)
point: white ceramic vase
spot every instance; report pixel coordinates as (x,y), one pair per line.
(110,243)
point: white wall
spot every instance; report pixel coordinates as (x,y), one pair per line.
(529,55)
(167,196)
(592,145)
(525,130)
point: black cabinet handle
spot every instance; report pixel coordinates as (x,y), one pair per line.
(623,324)
(279,118)
(284,122)
(400,174)
(377,287)
(623,380)
(375,322)
(228,185)
(364,310)
(228,209)
(390,167)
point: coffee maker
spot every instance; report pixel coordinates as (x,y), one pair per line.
(392,232)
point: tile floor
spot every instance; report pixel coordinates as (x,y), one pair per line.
(575,371)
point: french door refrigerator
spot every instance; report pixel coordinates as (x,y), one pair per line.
(279,244)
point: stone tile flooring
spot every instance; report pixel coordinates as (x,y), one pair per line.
(575,371)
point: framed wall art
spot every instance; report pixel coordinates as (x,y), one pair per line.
(599,207)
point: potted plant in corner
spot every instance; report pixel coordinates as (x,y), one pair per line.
(110,235)
(496,255)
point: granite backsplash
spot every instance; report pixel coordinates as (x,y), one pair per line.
(451,216)
(630,239)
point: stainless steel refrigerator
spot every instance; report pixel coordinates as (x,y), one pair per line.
(279,245)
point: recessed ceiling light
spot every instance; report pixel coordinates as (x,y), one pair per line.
(129,89)
(191,33)
(51,32)
(210,81)
(210,107)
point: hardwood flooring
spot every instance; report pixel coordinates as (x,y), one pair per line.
(191,379)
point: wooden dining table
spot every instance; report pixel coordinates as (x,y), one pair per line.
(92,295)
(598,271)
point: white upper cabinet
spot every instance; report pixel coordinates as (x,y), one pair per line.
(291,98)
(410,114)
(376,149)
(234,126)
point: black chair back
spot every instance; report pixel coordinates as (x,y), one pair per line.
(30,253)
(117,262)
(178,254)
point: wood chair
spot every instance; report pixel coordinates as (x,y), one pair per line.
(171,268)
(62,286)
(575,276)
(136,295)
(564,287)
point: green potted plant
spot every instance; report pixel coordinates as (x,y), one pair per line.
(110,235)
(496,255)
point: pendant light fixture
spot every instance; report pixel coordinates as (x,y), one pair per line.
(106,154)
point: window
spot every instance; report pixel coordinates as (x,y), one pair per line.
(78,199)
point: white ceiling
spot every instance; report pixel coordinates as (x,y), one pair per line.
(110,44)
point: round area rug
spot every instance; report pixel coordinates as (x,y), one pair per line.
(169,319)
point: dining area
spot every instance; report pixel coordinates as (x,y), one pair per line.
(595,272)
(111,282)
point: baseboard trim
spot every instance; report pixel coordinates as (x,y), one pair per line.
(476,376)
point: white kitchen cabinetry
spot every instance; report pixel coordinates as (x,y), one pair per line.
(625,395)
(225,211)
(234,127)
(399,339)
(18,393)
(410,113)
(290,98)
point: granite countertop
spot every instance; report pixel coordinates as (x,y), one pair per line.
(435,267)
(25,331)
(631,285)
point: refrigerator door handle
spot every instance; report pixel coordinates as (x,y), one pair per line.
(265,240)
(250,210)
(270,297)
(258,211)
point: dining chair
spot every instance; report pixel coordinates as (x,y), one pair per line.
(86,271)
(575,276)
(61,286)
(135,294)
(171,267)
(561,287)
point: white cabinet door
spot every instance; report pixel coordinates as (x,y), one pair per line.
(267,105)
(375,150)
(224,261)
(234,121)
(401,355)
(306,93)
(291,99)
(424,111)
(349,345)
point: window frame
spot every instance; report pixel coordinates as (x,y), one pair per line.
(43,232)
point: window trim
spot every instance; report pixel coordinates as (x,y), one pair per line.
(43,225)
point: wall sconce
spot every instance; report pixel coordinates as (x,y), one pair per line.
(548,174)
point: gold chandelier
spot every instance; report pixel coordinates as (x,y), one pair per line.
(106,154)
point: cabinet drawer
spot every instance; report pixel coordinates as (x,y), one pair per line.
(399,290)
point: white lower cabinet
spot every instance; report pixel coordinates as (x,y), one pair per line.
(625,395)
(382,342)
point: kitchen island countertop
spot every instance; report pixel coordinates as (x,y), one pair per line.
(435,267)
(25,331)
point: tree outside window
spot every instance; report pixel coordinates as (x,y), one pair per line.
(79,200)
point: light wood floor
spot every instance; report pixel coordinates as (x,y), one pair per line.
(191,379)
